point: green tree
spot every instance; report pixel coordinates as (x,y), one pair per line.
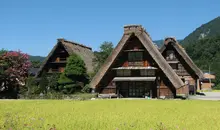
(101,55)
(75,68)
(2,51)
(74,76)
(43,83)
(35,63)
(53,82)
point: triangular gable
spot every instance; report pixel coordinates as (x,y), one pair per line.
(47,59)
(142,35)
(183,54)
(71,47)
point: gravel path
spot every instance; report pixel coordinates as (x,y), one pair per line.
(208,96)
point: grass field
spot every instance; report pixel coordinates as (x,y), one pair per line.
(109,115)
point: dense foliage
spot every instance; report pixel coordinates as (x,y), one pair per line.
(100,56)
(206,55)
(36,58)
(75,75)
(14,70)
(75,67)
(35,63)
(203,46)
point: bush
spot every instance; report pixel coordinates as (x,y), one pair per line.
(53,82)
(60,96)
(86,89)
(43,84)
(76,69)
(217,87)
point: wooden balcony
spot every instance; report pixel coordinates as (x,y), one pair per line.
(59,60)
(138,63)
(181,72)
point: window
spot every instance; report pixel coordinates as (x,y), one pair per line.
(119,72)
(123,72)
(170,55)
(180,67)
(127,72)
(174,66)
(147,72)
(135,56)
(151,72)
(143,72)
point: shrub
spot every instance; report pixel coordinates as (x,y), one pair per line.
(53,82)
(43,84)
(86,89)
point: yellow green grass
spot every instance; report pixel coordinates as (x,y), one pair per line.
(215,90)
(109,115)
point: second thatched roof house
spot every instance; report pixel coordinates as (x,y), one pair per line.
(56,60)
(182,64)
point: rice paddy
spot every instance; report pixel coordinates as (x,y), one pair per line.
(109,115)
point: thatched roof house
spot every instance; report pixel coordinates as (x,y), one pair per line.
(56,59)
(181,63)
(181,51)
(136,40)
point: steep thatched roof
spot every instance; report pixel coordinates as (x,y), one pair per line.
(145,39)
(83,51)
(182,53)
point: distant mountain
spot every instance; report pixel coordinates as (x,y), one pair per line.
(210,29)
(36,58)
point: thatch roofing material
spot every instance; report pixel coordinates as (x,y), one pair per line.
(84,52)
(182,53)
(143,36)
(72,47)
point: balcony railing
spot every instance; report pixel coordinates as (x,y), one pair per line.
(181,72)
(138,63)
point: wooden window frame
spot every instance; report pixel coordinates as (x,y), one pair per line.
(135,56)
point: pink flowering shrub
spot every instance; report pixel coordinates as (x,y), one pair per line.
(16,66)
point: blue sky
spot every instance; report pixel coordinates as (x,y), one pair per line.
(34,25)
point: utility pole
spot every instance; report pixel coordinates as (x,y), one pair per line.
(210,74)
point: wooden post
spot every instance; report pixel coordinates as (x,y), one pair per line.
(198,85)
(118,92)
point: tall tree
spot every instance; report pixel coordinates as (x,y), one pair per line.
(100,56)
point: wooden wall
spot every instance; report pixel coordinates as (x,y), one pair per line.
(164,90)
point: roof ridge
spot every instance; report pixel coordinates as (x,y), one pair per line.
(73,42)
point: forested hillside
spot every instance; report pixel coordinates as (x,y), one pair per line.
(36,58)
(210,29)
(203,47)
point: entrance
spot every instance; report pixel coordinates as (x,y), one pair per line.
(135,89)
